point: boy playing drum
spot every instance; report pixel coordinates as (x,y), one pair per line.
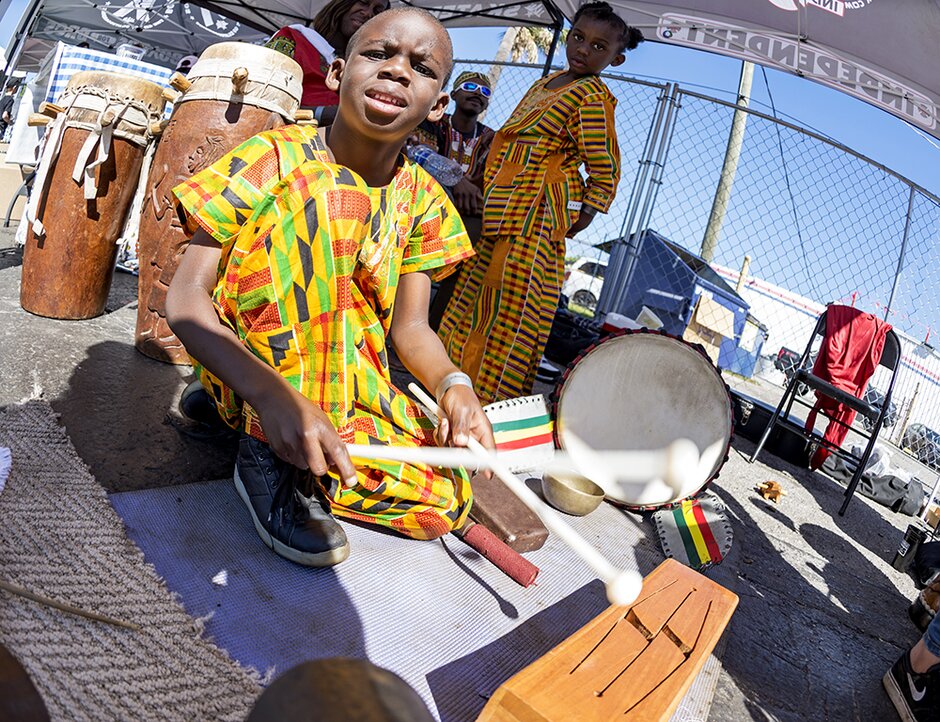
(306,254)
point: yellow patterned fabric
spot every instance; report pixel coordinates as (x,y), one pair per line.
(311,259)
(499,317)
(533,167)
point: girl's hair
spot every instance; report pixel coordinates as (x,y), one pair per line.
(328,20)
(630,37)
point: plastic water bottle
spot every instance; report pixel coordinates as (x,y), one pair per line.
(445,171)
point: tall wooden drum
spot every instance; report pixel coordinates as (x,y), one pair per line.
(234,91)
(87,176)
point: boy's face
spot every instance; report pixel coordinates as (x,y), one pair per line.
(471,102)
(391,79)
(592,45)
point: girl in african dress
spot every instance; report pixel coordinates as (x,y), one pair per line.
(498,320)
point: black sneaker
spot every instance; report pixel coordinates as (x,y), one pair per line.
(916,696)
(300,529)
(198,406)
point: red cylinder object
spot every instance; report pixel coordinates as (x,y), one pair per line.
(513,564)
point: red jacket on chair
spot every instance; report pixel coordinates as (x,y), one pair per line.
(849,355)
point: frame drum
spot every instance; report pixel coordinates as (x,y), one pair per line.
(234,91)
(88,171)
(642,390)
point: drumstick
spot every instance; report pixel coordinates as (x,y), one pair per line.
(613,467)
(674,465)
(623,587)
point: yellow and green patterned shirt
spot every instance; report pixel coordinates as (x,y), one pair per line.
(311,260)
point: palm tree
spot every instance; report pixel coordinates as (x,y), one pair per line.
(521,44)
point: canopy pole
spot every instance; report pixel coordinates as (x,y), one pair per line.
(900,268)
(19,40)
(551,51)
(730,167)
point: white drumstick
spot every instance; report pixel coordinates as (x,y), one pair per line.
(623,587)
(615,471)
(616,467)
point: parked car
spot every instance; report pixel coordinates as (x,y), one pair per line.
(788,361)
(923,443)
(874,397)
(583,281)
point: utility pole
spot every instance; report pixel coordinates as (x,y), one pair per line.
(730,167)
(742,276)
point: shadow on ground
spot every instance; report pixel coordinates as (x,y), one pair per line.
(822,614)
(119,409)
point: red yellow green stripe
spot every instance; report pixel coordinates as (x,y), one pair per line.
(702,525)
(524,442)
(697,538)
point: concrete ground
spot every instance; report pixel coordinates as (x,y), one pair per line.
(822,613)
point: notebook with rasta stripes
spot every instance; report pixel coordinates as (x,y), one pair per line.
(522,428)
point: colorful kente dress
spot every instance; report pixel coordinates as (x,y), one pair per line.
(311,260)
(497,322)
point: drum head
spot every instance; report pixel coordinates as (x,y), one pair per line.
(643,390)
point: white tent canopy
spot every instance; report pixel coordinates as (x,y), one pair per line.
(881,51)
(169,29)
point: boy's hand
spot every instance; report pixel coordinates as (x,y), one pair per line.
(302,435)
(467,197)
(584,220)
(462,416)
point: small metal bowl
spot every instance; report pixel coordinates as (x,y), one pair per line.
(571,493)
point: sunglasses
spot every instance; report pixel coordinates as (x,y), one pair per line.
(475,88)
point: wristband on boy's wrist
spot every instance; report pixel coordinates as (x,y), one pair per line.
(457,378)
(588,210)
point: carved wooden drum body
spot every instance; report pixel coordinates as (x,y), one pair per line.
(233,91)
(642,390)
(84,186)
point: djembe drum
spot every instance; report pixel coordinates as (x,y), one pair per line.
(642,390)
(234,91)
(87,176)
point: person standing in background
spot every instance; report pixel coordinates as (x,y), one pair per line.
(314,49)
(6,107)
(498,320)
(464,139)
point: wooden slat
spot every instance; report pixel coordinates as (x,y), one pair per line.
(629,663)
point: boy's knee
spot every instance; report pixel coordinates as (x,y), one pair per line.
(430,525)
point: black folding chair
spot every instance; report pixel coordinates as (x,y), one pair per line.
(24,190)
(803,375)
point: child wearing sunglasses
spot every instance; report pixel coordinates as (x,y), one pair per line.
(498,320)
(464,139)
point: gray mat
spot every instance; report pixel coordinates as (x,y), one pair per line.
(436,613)
(59,537)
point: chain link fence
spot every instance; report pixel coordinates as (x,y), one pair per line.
(745,267)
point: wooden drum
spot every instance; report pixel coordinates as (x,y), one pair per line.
(87,176)
(234,91)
